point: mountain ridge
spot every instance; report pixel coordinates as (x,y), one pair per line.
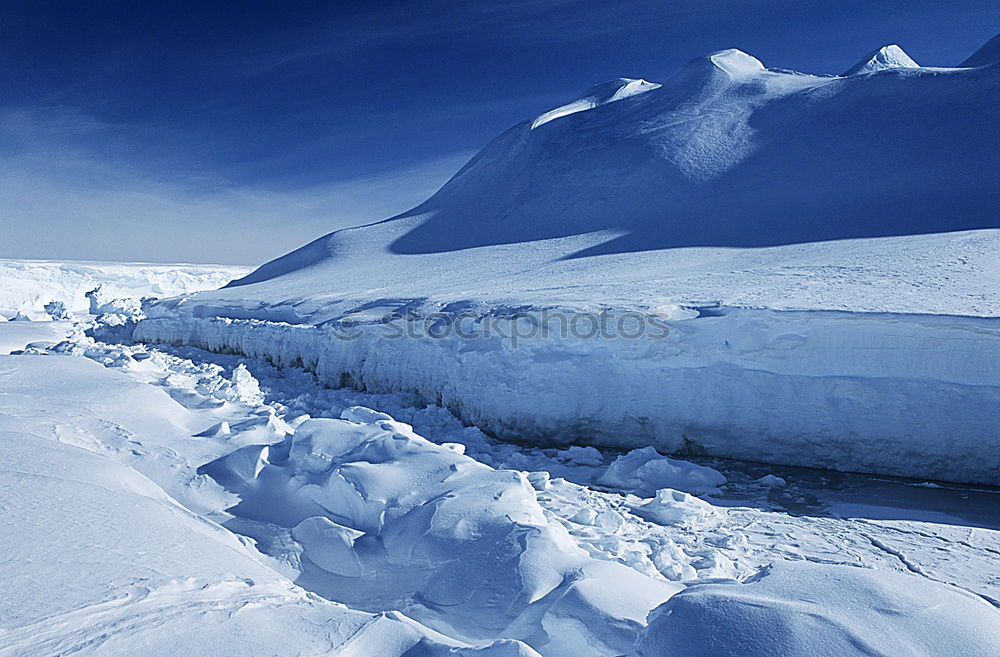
(725,152)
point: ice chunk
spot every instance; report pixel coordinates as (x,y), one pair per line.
(539,480)
(246,388)
(104,302)
(644,470)
(57,310)
(583,456)
(772,481)
(362,415)
(674,507)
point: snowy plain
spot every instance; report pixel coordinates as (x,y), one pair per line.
(260,470)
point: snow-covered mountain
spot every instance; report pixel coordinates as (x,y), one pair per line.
(725,153)
(824,250)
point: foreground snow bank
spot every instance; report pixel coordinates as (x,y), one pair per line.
(908,395)
(102,561)
(814,610)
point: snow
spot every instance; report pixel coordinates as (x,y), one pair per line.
(15,336)
(736,63)
(386,517)
(885,58)
(824,303)
(772,481)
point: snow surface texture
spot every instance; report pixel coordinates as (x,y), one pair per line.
(720,202)
(27,285)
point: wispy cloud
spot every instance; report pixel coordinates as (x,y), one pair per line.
(60,198)
(537,21)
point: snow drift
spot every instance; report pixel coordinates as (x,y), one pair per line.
(388,519)
(862,613)
(823,251)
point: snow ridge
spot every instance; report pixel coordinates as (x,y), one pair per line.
(600,94)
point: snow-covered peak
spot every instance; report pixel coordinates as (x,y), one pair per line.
(709,71)
(886,57)
(988,54)
(601,94)
(736,63)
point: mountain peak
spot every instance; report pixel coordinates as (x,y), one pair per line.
(885,58)
(988,54)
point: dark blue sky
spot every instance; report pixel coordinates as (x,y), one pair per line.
(231,132)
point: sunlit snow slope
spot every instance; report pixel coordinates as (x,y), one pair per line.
(824,249)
